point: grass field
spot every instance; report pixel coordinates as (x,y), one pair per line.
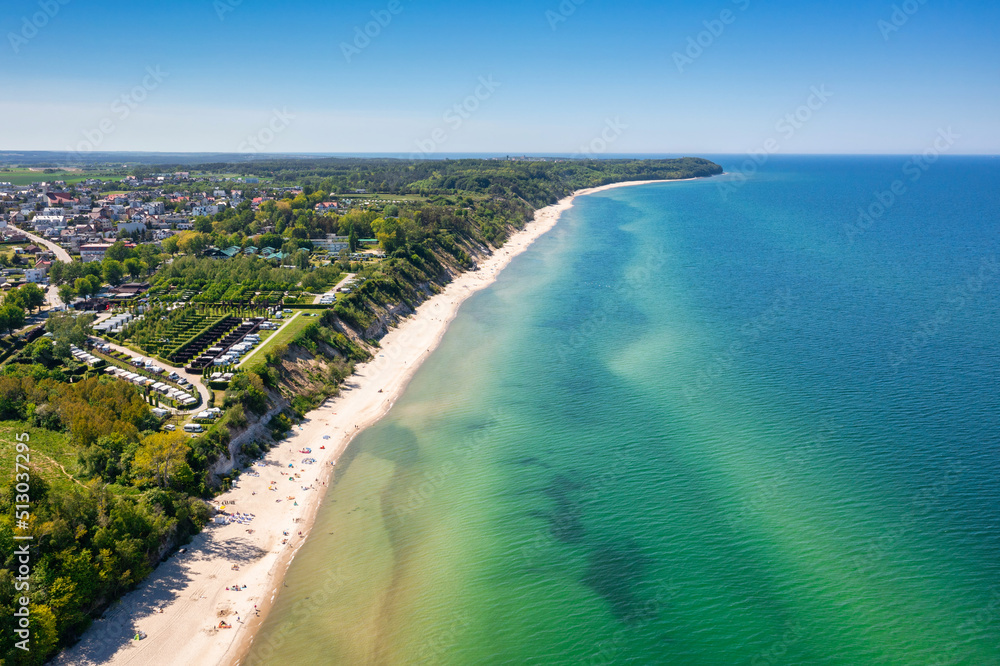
(283,336)
(47,451)
(24,176)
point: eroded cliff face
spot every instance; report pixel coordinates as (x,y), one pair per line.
(308,376)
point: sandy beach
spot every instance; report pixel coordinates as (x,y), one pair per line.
(180,606)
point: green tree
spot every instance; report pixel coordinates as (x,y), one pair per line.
(113,271)
(160,455)
(66,293)
(33,296)
(56,272)
(169,244)
(11,317)
(41,351)
(87,285)
(192,242)
(352,239)
(118,252)
(68,329)
(150,256)
(133,267)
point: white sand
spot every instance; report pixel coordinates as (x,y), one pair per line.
(190,588)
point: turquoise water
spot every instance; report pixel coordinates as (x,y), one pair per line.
(698,423)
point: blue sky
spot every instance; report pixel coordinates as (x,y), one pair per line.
(565,77)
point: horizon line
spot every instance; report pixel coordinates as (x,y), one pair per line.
(418,157)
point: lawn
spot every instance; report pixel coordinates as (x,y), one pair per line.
(283,336)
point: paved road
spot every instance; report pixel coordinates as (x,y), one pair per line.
(193,377)
(333,292)
(350,276)
(246,359)
(62,255)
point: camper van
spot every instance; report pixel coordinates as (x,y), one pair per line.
(193,427)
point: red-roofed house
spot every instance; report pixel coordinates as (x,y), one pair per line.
(58,199)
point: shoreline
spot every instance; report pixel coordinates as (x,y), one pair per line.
(182,602)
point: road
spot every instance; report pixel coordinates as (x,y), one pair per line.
(350,276)
(61,254)
(342,283)
(193,377)
(246,359)
(52,295)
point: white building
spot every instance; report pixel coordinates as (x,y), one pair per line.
(49,222)
(131,227)
(93,252)
(332,244)
(35,275)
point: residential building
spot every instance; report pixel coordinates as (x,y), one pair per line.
(93,252)
(333,244)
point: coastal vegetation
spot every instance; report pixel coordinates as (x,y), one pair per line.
(112,493)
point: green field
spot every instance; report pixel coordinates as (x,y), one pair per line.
(24,176)
(282,337)
(48,450)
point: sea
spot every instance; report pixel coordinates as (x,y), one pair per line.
(753,419)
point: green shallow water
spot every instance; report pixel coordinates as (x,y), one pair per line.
(689,426)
